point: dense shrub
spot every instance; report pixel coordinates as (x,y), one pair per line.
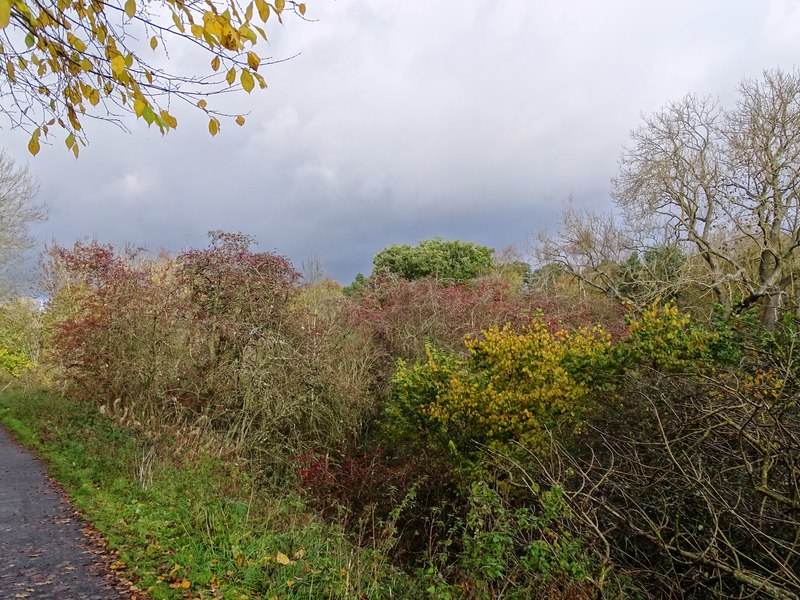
(20,324)
(512,387)
(214,335)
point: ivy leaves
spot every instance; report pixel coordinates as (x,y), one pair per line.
(63,61)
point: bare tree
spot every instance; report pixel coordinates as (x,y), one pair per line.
(719,183)
(613,257)
(18,210)
(763,168)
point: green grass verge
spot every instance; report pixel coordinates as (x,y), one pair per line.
(189,527)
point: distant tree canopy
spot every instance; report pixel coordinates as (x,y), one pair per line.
(448,260)
(63,61)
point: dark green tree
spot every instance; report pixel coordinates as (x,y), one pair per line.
(445,260)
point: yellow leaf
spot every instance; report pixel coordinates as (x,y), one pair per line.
(282,559)
(138,106)
(76,43)
(169,119)
(299,554)
(177,20)
(33,145)
(213,126)
(153,43)
(11,71)
(248,34)
(5,13)
(302,9)
(212,24)
(229,38)
(247,81)
(130,8)
(248,12)
(253,60)
(231,76)
(70,140)
(118,65)
(263,9)
(202,104)
(197,31)
(279,5)
(215,63)
(240,120)
(86,65)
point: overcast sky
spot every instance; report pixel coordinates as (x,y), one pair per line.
(401,121)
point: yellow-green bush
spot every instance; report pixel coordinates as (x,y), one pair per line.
(512,386)
(19,335)
(516,386)
(663,337)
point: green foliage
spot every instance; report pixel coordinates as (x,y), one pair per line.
(515,552)
(518,273)
(185,524)
(14,362)
(663,337)
(657,272)
(356,287)
(454,261)
(19,335)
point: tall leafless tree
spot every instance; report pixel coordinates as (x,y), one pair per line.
(18,210)
(719,183)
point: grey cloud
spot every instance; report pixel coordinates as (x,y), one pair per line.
(400,121)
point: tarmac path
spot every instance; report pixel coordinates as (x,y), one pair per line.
(44,552)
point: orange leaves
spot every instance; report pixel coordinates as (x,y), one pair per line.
(181,584)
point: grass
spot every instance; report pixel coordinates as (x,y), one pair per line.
(186,525)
